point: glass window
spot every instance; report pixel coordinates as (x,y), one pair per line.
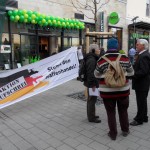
(4,41)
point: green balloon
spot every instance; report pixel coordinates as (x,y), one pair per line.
(33,22)
(20,12)
(35,13)
(40,22)
(15,12)
(24,11)
(29,19)
(21,19)
(63,24)
(40,18)
(12,18)
(25,20)
(46,18)
(49,22)
(43,21)
(10,13)
(51,17)
(17,18)
(33,16)
(37,19)
(26,16)
(29,13)
(54,21)
(46,24)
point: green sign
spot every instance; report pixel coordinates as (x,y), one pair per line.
(113,18)
(138,36)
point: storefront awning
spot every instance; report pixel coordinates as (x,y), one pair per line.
(140,25)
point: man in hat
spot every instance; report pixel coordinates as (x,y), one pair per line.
(114,96)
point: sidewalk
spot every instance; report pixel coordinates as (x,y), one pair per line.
(54,121)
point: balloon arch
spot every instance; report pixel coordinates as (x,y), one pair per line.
(33,17)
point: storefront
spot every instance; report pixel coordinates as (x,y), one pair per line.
(136,31)
(27,36)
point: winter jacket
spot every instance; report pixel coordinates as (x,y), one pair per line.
(91,61)
(102,66)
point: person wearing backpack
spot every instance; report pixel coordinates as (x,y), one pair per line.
(91,82)
(113,70)
(141,81)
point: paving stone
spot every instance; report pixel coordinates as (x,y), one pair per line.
(64,147)
(87,133)
(8,132)
(84,140)
(83,147)
(71,133)
(23,145)
(98,146)
(40,145)
(140,135)
(144,143)
(129,144)
(54,142)
(60,135)
(9,146)
(72,142)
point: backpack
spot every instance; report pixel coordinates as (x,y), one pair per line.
(115,75)
(82,71)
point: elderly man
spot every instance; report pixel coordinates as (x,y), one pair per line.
(91,82)
(141,81)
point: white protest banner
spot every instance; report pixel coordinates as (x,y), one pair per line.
(21,83)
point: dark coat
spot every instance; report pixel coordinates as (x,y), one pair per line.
(91,61)
(141,78)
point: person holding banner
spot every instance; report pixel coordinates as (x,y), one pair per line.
(91,82)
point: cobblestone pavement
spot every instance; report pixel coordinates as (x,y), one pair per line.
(54,121)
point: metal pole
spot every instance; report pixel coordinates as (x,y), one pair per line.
(134,30)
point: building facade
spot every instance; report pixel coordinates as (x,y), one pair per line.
(28,43)
(138,19)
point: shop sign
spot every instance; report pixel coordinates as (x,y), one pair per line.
(5,49)
(113,18)
(102,21)
(138,36)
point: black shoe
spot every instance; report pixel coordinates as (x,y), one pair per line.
(135,123)
(96,117)
(95,120)
(145,120)
(112,138)
(125,133)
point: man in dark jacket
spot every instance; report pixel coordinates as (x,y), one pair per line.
(91,60)
(141,81)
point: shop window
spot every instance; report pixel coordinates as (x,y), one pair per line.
(75,41)
(16,48)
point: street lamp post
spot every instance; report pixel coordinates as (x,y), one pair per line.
(134,22)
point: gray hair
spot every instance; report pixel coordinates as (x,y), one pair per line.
(93,47)
(144,42)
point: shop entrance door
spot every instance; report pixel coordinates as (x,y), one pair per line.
(28,49)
